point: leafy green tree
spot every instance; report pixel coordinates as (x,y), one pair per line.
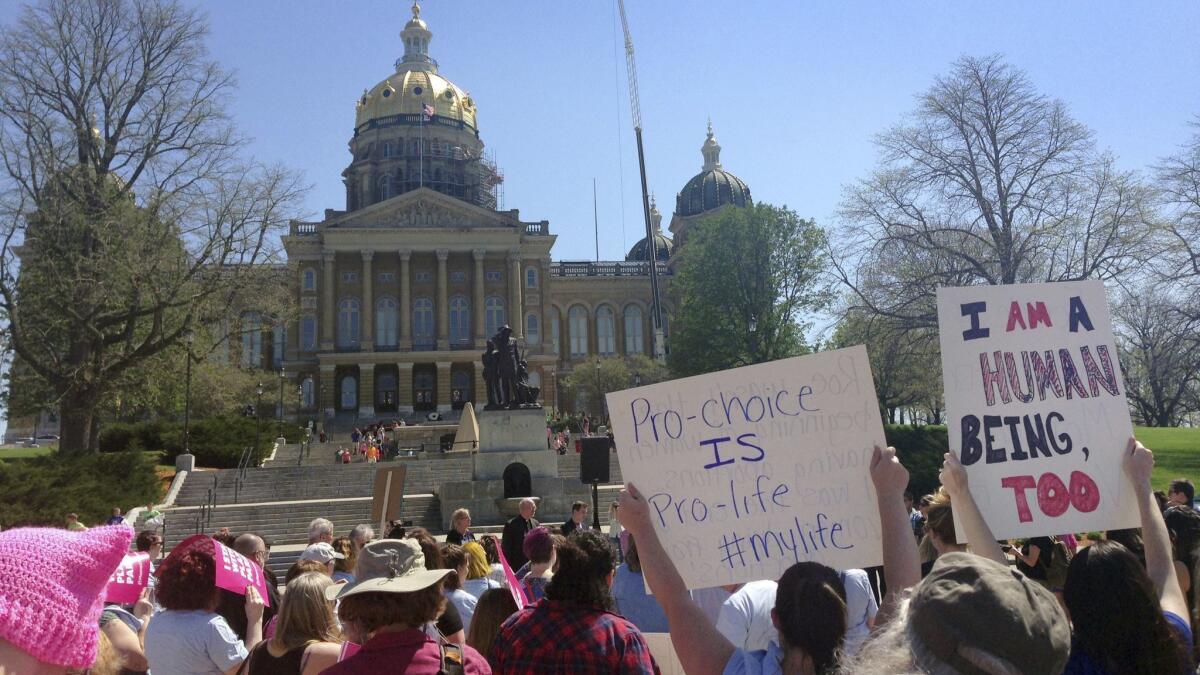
(745,279)
(129,215)
(600,376)
(905,363)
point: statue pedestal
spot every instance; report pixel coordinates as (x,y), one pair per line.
(511,430)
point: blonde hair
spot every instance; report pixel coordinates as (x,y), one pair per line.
(458,515)
(305,616)
(477,564)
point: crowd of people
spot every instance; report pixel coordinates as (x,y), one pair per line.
(571,598)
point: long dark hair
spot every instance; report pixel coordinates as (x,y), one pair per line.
(1115,610)
(811,605)
(1184,525)
(584,563)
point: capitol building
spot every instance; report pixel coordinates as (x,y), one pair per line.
(398,293)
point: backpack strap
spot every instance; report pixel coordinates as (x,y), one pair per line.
(453,661)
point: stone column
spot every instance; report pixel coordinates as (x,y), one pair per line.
(478,302)
(443,304)
(516,314)
(406,314)
(443,387)
(404,389)
(327,390)
(328,307)
(366,390)
(367,318)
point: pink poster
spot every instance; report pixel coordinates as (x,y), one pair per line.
(235,572)
(514,586)
(130,578)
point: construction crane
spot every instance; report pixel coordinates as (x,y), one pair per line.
(652,245)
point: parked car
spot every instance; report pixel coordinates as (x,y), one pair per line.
(47,437)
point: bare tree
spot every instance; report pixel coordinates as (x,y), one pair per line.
(130,214)
(1160,355)
(1178,182)
(987,182)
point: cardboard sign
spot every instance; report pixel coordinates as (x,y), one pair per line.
(388,494)
(1036,407)
(749,471)
(235,572)
(131,577)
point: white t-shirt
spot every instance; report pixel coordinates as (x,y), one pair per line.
(192,643)
(860,609)
(745,618)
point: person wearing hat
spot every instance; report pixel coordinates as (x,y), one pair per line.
(322,553)
(386,610)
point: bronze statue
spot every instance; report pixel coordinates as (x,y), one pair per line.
(491,376)
(506,373)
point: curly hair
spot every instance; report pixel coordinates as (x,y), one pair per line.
(345,546)
(188,582)
(584,563)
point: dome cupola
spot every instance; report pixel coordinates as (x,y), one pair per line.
(662,245)
(713,187)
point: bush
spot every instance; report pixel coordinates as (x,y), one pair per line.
(43,490)
(217,442)
(921,450)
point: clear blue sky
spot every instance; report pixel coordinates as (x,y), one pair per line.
(796,90)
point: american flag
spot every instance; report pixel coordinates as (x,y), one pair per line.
(427,111)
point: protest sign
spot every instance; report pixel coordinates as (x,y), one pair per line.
(235,572)
(1036,406)
(131,577)
(748,471)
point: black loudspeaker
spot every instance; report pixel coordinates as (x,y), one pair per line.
(593,460)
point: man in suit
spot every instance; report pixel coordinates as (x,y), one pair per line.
(578,520)
(515,530)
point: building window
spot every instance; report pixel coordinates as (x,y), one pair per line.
(460,320)
(278,342)
(493,315)
(634,342)
(577,321)
(552,320)
(309,282)
(458,277)
(349,277)
(308,333)
(531,277)
(460,391)
(385,322)
(493,275)
(251,340)
(385,187)
(422,323)
(532,335)
(423,277)
(348,322)
(606,340)
(306,393)
(349,392)
(387,277)
(387,149)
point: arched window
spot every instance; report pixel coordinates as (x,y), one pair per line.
(606,341)
(460,320)
(348,322)
(532,335)
(308,333)
(306,393)
(349,392)
(552,323)
(531,277)
(310,280)
(385,187)
(422,323)
(577,326)
(387,148)
(278,343)
(634,342)
(251,340)
(493,315)
(386,322)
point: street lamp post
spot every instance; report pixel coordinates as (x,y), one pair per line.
(279,415)
(189,339)
(600,394)
(258,392)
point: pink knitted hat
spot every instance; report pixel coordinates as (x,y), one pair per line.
(53,589)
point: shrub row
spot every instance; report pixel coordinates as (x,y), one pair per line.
(42,490)
(215,441)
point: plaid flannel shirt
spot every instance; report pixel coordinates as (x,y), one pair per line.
(552,637)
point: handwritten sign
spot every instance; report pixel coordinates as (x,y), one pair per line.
(1036,406)
(749,471)
(131,577)
(235,572)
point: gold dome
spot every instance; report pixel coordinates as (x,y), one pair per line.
(415,83)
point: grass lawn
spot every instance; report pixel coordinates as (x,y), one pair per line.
(1176,453)
(12,452)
